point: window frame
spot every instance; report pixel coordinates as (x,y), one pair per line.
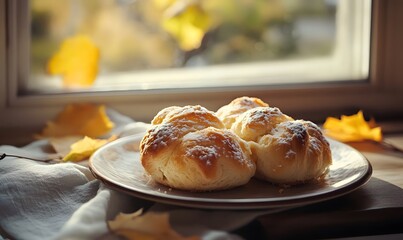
(379,95)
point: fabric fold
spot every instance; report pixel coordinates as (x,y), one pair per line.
(64,201)
(38,198)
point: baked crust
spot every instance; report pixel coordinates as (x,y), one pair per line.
(189,148)
(230,112)
(294,152)
(286,151)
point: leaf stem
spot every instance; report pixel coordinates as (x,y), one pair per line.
(391,146)
(4,155)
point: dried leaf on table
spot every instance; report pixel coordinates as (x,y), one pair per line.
(84,148)
(352,128)
(77,61)
(62,145)
(79,119)
(148,226)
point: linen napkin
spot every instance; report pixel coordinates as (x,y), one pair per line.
(64,201)
(37,199)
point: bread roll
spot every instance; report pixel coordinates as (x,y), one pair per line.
(229,113)
(293,152)
(189,148)
(257,122)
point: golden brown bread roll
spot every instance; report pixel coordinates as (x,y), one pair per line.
(257,122)
(285,151)
(230,112)
(188,148)
(293,152)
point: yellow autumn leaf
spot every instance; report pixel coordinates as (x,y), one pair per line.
(148,226)
(62,145)
(77,61)
(84,148)
(163,4)
(351,128)
(79,119)
(187,22)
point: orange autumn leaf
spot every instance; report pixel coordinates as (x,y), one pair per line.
(79,119)
(351,128)
(77,61)
(84,148)
(148,226)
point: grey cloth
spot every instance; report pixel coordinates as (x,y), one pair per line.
(64,201)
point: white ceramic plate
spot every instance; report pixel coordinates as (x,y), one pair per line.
(117,164)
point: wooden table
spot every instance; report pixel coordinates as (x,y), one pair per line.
(376,209)
(387,164)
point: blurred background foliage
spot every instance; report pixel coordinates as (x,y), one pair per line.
(148,34)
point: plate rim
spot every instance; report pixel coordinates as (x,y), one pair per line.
(233,204)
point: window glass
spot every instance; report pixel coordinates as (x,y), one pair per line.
(147,44)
